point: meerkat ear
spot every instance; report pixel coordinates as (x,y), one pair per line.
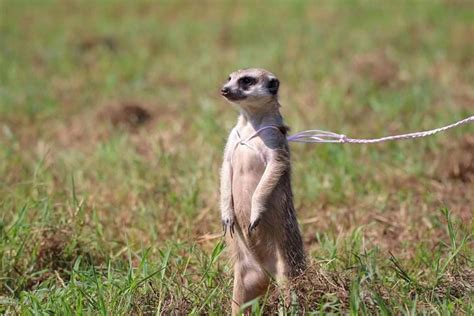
(273,85)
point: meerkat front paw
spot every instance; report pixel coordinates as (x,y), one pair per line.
(255,216)
(253,225)
(228,224)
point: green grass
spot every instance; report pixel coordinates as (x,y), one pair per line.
(101,215)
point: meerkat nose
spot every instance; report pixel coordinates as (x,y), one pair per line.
(225,91)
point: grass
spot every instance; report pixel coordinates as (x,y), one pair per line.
(111,137)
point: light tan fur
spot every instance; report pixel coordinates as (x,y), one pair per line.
(256,197)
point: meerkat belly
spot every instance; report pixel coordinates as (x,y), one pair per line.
(248,168)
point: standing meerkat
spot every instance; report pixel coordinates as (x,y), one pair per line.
(256,197)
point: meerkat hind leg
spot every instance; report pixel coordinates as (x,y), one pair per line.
(250,281)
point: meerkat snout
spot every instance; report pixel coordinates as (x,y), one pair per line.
(249,87)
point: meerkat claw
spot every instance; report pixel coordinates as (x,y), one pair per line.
(228,224)
(231,229)
(253,226)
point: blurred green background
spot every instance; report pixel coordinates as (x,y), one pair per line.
(112,131)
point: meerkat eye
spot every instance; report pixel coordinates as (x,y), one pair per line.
(228,79)
(247,81)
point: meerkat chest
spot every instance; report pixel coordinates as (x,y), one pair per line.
(249,159)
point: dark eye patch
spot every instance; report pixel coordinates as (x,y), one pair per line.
(247,81)
(273,85)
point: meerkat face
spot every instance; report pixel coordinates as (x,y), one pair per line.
(251,88)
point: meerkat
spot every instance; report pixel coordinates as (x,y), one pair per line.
(258,216)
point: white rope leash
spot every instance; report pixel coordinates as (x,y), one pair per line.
(319,136)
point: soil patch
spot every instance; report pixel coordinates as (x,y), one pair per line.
(458,163)
(91,42)
(127,114)
(377,66)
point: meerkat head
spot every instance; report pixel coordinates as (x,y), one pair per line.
(251,88)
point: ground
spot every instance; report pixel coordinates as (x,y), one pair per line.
(111,138)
